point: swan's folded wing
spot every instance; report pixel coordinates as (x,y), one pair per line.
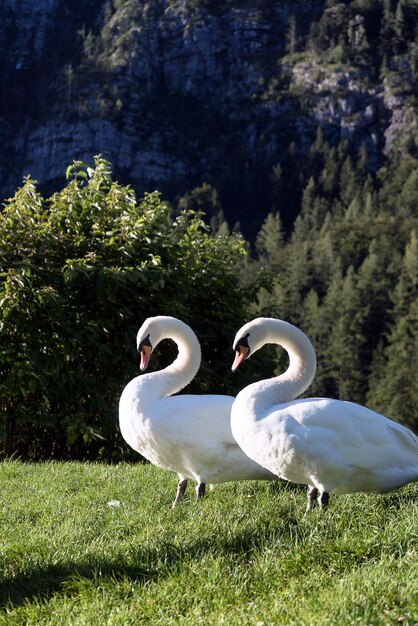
(333,430)
(196,417)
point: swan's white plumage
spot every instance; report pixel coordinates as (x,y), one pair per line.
(187,434)
(330,445)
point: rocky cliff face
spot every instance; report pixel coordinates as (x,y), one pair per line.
(177,93)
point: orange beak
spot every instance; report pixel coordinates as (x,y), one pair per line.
(240,355)
(145,357)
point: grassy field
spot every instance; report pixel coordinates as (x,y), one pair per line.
(99,545)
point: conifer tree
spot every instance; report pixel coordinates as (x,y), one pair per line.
(348,181)
(218,225)
(354,209)
(329,178)
(395,391)
(357,37)
(312,213)
(323,259)
(297,281)
(406,286)
(391,385)
(269,240)
(325,380)
(411,259)
(318,153)
(374,288)
(399,24)
(313,323)
(347,342)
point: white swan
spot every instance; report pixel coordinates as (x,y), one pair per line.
(332,446)
(187,434)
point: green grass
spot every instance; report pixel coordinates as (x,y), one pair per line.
(246,554)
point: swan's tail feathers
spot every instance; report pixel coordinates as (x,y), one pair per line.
(181,488)
(406,435)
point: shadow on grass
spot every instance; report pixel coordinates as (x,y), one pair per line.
(144,566)
(44,582)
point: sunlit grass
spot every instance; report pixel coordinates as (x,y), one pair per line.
(97,544)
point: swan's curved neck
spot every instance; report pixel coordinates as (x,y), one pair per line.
(299,374)
(183,369)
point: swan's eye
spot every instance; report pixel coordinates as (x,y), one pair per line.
(243,343)
(145,343)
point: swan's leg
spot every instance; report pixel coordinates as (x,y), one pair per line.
(312,496)
(181,488)
(324,499)
(200,490)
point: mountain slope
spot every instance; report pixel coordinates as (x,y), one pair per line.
(177,93)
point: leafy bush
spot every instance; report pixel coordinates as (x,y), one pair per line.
(80,271)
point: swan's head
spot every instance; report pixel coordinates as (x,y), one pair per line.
(249,339)
(152,331)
